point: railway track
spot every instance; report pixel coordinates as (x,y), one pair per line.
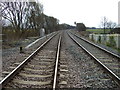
(40,69)
(10,57)
(109,61)
(48,66)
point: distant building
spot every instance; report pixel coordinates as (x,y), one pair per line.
(80,27)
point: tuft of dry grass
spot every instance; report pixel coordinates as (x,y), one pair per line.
(12,39)
(12,35)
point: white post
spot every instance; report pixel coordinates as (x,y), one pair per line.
(42,32)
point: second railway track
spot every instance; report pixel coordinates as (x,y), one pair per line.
(41,71)
(109,62)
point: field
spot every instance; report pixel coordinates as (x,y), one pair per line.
(98,30)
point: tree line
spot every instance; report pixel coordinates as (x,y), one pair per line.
(24,16)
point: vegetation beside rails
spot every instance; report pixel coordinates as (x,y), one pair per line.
(11,39)
(111,43)
(11,35)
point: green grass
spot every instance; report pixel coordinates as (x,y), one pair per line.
(98,30)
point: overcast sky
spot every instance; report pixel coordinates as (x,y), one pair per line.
(88,12)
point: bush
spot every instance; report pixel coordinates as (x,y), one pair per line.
(112,41)
(108,44)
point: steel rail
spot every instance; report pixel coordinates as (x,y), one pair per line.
(97,46)
(5,80)
(112,74)
(56,64)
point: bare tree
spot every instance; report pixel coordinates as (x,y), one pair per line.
(27,15)
(111,25)
(104,23)
(15,13)
(22,15)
